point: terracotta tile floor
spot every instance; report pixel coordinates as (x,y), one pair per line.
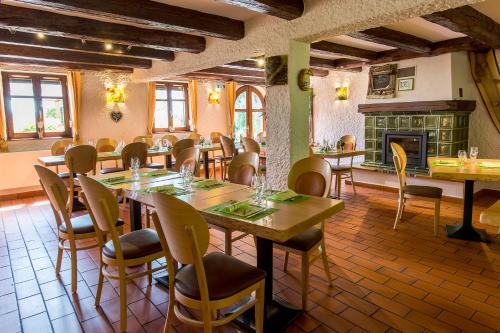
(384,280)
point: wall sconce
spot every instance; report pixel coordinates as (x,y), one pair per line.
(115,94)
(341,93)
(213,96)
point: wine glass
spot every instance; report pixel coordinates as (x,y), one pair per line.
(462,157)
(474,151)
(134,166)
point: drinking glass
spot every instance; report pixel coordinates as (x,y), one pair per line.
(462,157)
(188,179)
(256,187)
(474,151)
(134,166)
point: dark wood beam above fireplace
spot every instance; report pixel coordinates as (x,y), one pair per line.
(285,9)
(423,106)
(153,14)
(470,22)
(63,43)
(393,38)
(32,20)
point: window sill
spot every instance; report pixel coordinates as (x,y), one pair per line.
(31,144)
(172,132)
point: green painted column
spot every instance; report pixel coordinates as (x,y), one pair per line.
(288,110)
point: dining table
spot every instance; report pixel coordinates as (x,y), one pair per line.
(337,153)
(452,169)
(279,222)
(58,160)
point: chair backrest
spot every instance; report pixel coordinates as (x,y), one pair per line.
(195,137)
(184,229)
(81,159)
(399,158)
(181,145)
(228,148)
(349,142)
(215,137)
(56,192)
(101,203)
(170,137)
(144,138)
(190,157)
(59,146)
(135,149)
(311,176)
(243,167)
(106,145)
(250,145)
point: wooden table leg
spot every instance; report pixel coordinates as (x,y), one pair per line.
(278,314)
(465,230)
(205,164)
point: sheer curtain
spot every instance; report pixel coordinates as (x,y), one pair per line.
(193,102)
(231,98)
(151,106)
(3,127)
(76,101)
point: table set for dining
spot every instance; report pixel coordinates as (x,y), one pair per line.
(232,206)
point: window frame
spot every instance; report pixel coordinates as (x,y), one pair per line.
(248,110)
(169,100)
(36,79)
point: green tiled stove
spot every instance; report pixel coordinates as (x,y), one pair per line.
(447,123)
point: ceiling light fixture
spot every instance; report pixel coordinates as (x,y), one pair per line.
(261,62)
(40,35)
(108,46)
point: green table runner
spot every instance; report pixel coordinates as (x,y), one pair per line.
(156,173)
(446,163)
(116,180)
(168,189)
(208,184)
(489,165)
(288,197)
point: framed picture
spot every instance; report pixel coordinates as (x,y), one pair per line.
(406,84)
(382,82)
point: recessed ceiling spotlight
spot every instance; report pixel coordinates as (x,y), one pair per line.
(40,35)
(261,62)
(129,47)
(108,46)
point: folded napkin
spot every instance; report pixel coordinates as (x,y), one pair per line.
(283,196)
(113,179)
(446,163)
(162,189)
(155,173)
(489,165)
(207,183)
(241,206)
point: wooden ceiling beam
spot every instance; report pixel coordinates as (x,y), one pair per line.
(233,72)
(285,9)
(152,14)
(36,53)
(245,80)
(394,38)
(244,64)
(470,22)
(63,43)
(333,49)
(319,72)
(349,65)
(59,64)
(32,20)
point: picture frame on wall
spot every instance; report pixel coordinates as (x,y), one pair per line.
(406,84)
(382,81)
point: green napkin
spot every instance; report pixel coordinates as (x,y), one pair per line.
(446,163)
(241,210)
(155,173)
(208,184)
(283,196)
(236,207)
(168,189)
(489,165)
(113,179)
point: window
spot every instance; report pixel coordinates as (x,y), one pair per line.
(172,107)
(36,102)
(249,114)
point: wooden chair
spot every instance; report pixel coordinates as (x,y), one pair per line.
(69,229)
(148,139)
(79,160)
(104,145)
(240,171)
(190,157)
(428,193)
(491,216)
(135,149)
(209,282)
(228,152)
(171,138)
(215,137)
(310,176)
(195,137)
(180,146)
(250,144)
(58,148)
(344,171)
(130,250)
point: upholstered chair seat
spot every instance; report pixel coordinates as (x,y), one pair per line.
(424,191)
(305,240)
(136,244)
(83,224)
